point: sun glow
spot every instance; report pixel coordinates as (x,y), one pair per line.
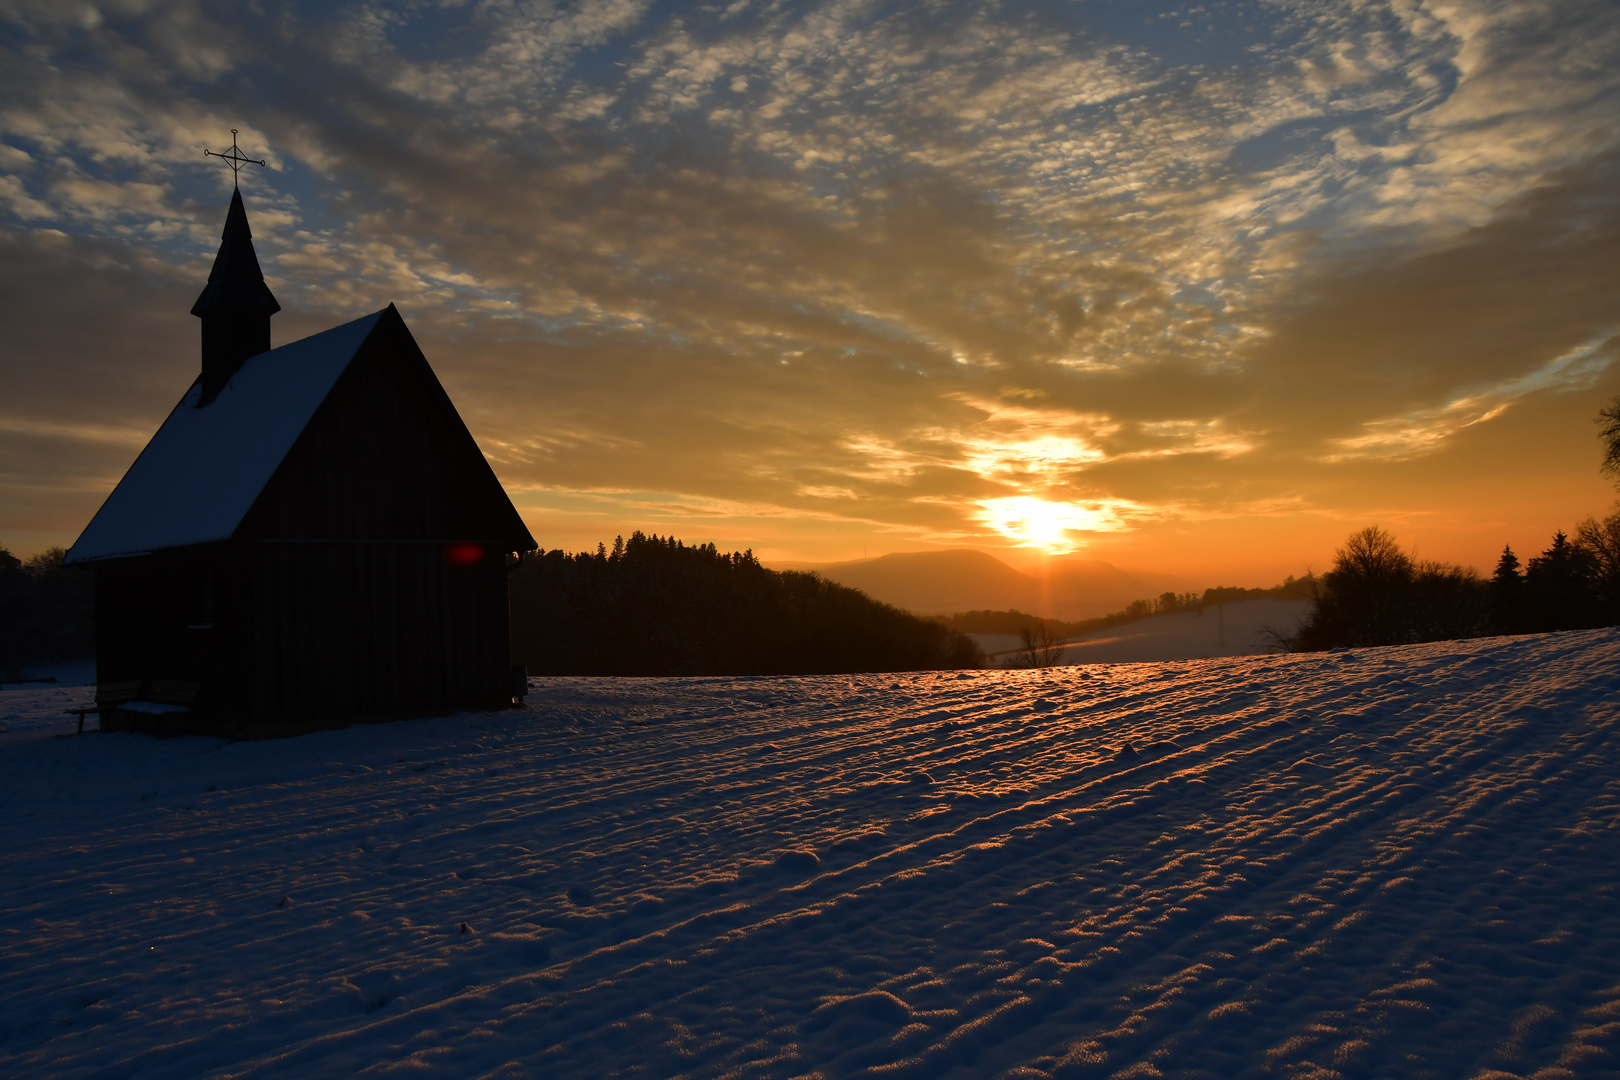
(1051,526)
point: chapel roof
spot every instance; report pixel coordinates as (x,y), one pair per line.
(204,469)
(236,283)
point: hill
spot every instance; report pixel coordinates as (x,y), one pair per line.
(1395,862)
(655,606)
(964,579)
(1214,629)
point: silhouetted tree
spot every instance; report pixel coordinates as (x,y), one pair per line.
(14,600)
(1558,589)
(1608,421)
(1507,594)
(1376,595)
(1447,602)
(1365,598)
(1599,543)
(1042,645)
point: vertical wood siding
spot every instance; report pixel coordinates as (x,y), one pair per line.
(368,630)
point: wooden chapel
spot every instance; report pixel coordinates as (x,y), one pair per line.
(311,539)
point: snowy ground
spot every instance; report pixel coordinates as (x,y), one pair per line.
(1236,629)
(1391,863)
(63,672)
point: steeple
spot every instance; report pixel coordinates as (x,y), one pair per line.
(235,307)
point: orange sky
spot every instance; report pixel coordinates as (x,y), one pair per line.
(1195,290)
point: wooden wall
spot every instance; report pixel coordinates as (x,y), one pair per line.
(155,617)
(358,631)
(288,636)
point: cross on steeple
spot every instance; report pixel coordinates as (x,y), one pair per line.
(234,158)
(236,305)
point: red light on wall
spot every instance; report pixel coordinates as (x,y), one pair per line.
(463,554)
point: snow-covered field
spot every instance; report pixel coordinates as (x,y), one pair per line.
(1392,863)
(1236,629)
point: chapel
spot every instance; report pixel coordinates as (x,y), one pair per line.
(311,539)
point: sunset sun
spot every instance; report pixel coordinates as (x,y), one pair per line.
(1051,527)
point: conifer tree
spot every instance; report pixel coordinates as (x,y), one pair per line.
(1557,588)
(47,611)
(1507,593)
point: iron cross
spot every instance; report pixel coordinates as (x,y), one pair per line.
(234,158)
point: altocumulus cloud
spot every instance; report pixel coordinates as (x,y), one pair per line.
(800,275)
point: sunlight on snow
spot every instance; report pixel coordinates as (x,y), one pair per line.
(1397,862)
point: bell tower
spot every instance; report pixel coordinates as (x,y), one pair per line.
(236,305)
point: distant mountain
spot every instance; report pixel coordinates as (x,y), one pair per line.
(934,582)
(942,582)
(1079,588)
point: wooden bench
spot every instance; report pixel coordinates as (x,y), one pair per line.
(109,695)
(160,696)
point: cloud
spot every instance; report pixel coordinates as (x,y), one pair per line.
(1421,431)
(792,257)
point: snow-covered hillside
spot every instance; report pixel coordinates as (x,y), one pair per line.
(1398,862)
(1236,629)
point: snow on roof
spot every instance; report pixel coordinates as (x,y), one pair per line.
(204,468)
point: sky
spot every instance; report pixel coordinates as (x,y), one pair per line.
(1191,289)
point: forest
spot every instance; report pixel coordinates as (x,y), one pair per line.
(656,606)
(1378,594)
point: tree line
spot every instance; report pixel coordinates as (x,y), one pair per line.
(47,612)
(1378,594)
(655,606)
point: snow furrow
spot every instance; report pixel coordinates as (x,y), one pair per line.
(1395,861)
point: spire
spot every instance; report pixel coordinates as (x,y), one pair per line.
(235,307)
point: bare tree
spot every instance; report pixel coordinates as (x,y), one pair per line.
(1608,421)
(1289,641)
(1042,646)
(1600,540)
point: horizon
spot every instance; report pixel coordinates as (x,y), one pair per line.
(1196,292)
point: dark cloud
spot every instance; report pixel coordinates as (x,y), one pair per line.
(1446,336)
